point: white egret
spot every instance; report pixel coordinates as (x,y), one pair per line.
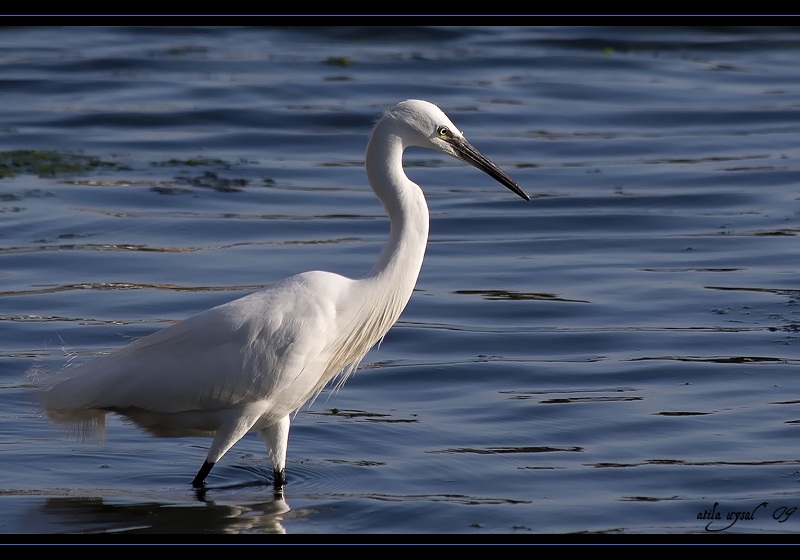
(247,365)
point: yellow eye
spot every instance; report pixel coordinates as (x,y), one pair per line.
(444,131)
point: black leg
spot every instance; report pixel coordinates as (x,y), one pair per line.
(278,482)
(201,474)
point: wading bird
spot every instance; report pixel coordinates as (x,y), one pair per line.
(247,365)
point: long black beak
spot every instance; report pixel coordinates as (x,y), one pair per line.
(467,153)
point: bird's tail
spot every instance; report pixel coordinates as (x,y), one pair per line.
(83,424)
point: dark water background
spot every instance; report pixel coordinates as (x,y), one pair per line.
(618,356)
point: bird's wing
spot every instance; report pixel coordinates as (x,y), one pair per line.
(268,345)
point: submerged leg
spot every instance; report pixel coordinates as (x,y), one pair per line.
(277,440)
(229,433)
(202,474)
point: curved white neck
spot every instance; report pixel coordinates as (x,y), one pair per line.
(385,291)
(400,260)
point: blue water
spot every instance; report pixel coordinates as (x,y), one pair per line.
(618,356)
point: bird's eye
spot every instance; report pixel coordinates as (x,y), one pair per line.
(444,131)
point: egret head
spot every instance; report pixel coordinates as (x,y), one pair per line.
(425,125)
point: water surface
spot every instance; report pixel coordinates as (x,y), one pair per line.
(617,356)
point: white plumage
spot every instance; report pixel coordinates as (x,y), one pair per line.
(248,364)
